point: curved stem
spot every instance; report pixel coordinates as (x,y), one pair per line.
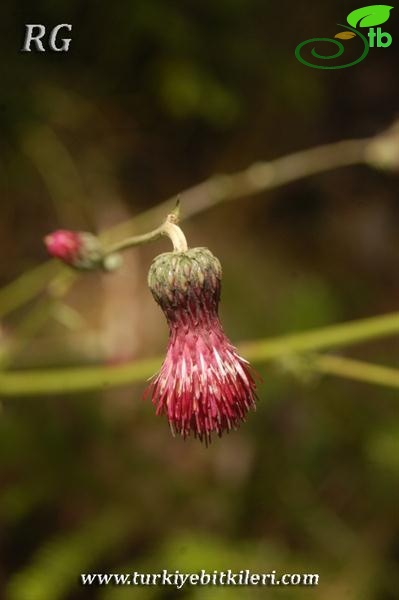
(176,235)
(135,241)
(169,228)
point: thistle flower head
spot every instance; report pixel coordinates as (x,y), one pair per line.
(78,249)
(203,386)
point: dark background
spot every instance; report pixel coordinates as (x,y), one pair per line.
(151,98)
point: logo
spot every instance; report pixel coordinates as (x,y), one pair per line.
(368,16)
(34,34)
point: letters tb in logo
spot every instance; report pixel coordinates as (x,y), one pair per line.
(384,39)
(35,33)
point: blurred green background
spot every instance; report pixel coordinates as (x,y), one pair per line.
(151,98)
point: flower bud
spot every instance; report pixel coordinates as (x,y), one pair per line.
(77,249)
(203,386)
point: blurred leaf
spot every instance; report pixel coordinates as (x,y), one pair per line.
(56,566)
(186,90)
(384,449)
(308,302)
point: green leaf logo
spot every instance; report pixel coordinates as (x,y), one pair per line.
(368,16)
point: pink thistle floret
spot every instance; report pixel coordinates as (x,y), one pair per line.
(204,386)
(64,244)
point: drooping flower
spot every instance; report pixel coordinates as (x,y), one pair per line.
(78,249)
(204,386)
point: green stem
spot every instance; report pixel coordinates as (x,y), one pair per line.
(27,286)
(169,228)
(357,370)
(27,328)
(72,380)
(344,334)
(134,241)
(256,178)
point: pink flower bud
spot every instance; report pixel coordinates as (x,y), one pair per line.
(77,249)
(204,386)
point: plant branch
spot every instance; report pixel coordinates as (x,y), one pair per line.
(26,329)
(357,370)
(168,228)
(379,151)
(72,380)
(27,286)
(333,336)
(258,177)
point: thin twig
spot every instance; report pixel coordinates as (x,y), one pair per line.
(168,228)
(332,336)
(27,286)
(79,379)
(340,366)
(257,178)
